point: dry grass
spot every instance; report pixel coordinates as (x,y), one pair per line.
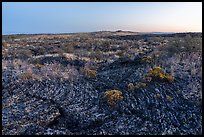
(184,64)
(187,66)
(53,71)
(27,71)
(28,75)
(5,45)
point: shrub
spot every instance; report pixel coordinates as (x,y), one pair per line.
(147,59)
(91,65)
(137,85)
(140,85)
(5,45)
(174,46)
(169,78)
(153,59)
(18,63)
(192,44)
(185,44)
(131,86)
(23,53)
(68,48)
(12,37)
(113,97)
(89,73)
(28,75)
(39,65)
(96,55)
(34,61)
(39,51)
(159,73)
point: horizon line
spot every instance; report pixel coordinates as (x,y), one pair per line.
(104,31)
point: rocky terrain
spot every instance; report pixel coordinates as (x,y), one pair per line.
(49,88)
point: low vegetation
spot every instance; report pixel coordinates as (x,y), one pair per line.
(5,45)
(137,85)
(89,73)
(113,97)
(85,75)
(179,45)
(158,73)
(28,76)
(147,59)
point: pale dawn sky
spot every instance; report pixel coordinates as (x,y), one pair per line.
(69,17)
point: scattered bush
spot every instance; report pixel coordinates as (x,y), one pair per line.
(147,59)
(39,51)
(5,45)
(173,47)
(58,71)
(140,85)
(12,37)
(28,76)
(89,72)
(151,59)
(137,85)
(34,61)
(113,97)
(169,78)
(186,44)
(131,86)
(97,55)
(47,71)
(23,53)
(91,65)
(159,73)
(68,48)
(39,65)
